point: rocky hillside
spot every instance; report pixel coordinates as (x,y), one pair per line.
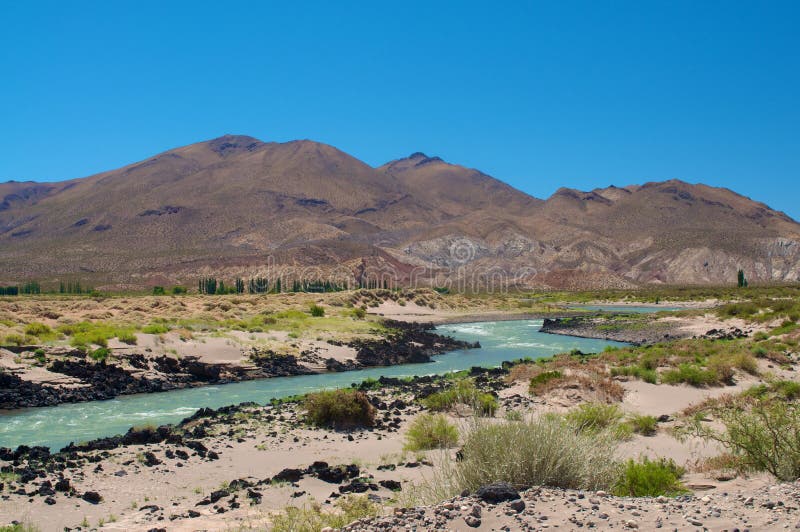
(238,206)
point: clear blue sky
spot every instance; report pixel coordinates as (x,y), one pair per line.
(538,94)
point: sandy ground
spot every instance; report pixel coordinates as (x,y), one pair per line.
(138,497)
(166,495)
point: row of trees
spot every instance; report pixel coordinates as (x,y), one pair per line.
(33,287)
(741,279)
(262,285)
(214,286)
(73,287)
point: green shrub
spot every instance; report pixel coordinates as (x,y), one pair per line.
(764,435)
(155,328)
(786,327)
(786,389)
(463,392)
(178,290)
(100,354)
(540,380)
(595,417)
(722,367)
(690,374)
(19,527)
(339,409)
(544,451)
(430,431)
(644,425)
(312,518)
(40,357)
(639,372)
(39,330)
(14,339)
(650,479)
(159,291)
(317,311)
(359,313)
(127,337)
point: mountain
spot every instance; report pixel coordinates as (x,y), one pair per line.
(237,206)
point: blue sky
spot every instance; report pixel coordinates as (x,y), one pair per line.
(538,94)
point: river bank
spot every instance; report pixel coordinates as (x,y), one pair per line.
(70,375)
(640,329)
(241,465)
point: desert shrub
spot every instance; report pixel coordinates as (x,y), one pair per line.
(178,290)
(316,311)
(359,313)
(543,451)
(595,417)
(644,425)
(745,362)
(40,357)
(462,392)
(786,327)
(722,367)
(339,409)
(649,479)
(159,291)
(155,328)
(786,389)
(639,372)
(538,383)
(312,518)
(430,431)
(40,330)
(19,527)
(14,339)
(127,337)
(89,338)
(763,434)
(100,354)
(690,374)
(742,310)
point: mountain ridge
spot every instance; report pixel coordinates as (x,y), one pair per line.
(234,203)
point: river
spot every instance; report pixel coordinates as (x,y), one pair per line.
(57,426)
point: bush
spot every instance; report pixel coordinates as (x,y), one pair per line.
(644,425)
(431,432)
(764,435)
(595,417)
(650,479)
(787,389)
(178,290)
(14,339)
(312,518)
(639,372)
(690,374)
(539,381)
(100,354)
(155,328)
(159,291)
(317,311)
(359,313)
(462,392)
(127,337)
(544,451)
(38,329)
(722,368)
(339,409)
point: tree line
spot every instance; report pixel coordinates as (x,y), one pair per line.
(263,285)
(34,287)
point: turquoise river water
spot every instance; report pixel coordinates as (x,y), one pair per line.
(59,425)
